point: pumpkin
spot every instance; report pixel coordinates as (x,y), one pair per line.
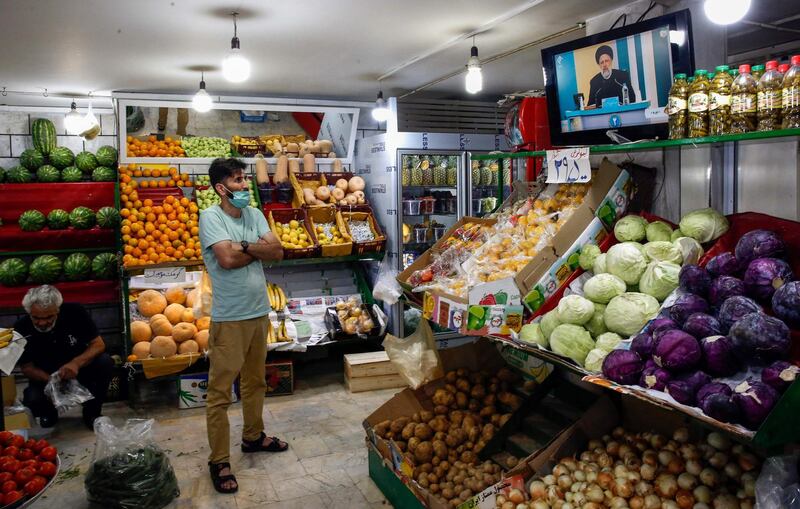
(173,312)
(323,193)
(309,163)
(191,298)
(356,184)
(151,302)
(281,170)
(202,340)
(163,346)
(342,184)
(338,193)
(183,332)
(141,350)
(175,295)
(140,331)
(188,315)
(160,325)
(188,346)
(203,323)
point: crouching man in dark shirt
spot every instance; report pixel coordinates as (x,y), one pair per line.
(62,338)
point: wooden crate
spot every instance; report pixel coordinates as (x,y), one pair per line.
(370,371)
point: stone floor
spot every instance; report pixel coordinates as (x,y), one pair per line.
(325,467)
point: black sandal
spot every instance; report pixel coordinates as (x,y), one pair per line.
(219,480)
(258,445)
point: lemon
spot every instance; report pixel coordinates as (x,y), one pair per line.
(293,223)
(302,236)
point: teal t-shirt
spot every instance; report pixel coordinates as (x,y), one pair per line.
(237,294)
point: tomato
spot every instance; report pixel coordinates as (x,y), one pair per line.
(11,451)
(17,441)
(6,476)
(25,454)
(11,465)
(48,454)
(46,469)
(8,486)
(12,496)
(39,445)
(24,475)
(5,437)
(29,443)
(35,485)
(31,463)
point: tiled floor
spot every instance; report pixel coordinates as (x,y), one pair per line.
(325,467)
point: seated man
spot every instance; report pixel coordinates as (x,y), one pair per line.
(62,338)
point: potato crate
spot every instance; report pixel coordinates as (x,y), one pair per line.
(286,215)
(317,215)
(370,371)
(364,213)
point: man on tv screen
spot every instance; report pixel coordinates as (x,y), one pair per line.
(608,82)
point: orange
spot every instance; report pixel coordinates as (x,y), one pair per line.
(147,172)
(137,203)
(151,138)
(137,173)
(195,230)
(185,201)
(127,249)
(162,183)
(156,173)
(149,228)
(142,244)
(143,184)
(125,230)
(172,183)
(169,199)
(150,217)
(137,252)
(169,250)
(125,212)
(188,252)
(141,234)
(148,202)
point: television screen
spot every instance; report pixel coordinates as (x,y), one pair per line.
(616,80)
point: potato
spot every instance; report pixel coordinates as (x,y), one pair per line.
(462,372)
(451,376)
(469,445)
(401,445)
(452,456)
(450,388)
(480,444)
(382,428)
(422,477)
(504,419)
(506,375)
(487,411)
(495,419)
(412,443)
(445,465)
(462,384)
(408,431)
(468,422)
(489,400)
(425,416)
(440,410)
(390,435)
(423,453)
(474,405)
(433,488)
(427,468)
(415,417)
(448,493)
(435,462)
(398,424)
(468,457)
(478,391)
(438,471)
(493,388)
(488,432)
(461,400)
(439,435)
(439,423)
(423,431)
(442,397)
(456,416)
(457,437)
(440,449)
(473,434)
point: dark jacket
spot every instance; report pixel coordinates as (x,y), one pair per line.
(600,88)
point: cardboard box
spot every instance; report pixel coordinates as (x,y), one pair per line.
(445,311)
(280,378)
(9,390)
(193,390)
(493,320)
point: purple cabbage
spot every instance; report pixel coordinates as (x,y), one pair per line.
(662,323)
(734,309)
(643,345)
(696,379)
(694,279)
(765,275)
(677,351)
(685,305)
(721,407)
(759,338)
(786,303)
(655,378)
(701,325)
(713,388)
(719,356)
(724,264)
(623,366)
(755,401)
(650,363)
(759,244)
(723,288)
(779,375)
(681,391)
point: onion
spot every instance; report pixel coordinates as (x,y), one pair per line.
(718,460)
(650,457)
(689,452)
(540,504)
(725,501)
(522,506)
(500,499)
(594,493)
(592,505)
(508,505)
(620,471)
(718,441)
(702,494)
(633,462)
(669,504)
(666,486)
(612,448)
(648,472)
(624,451)
(515,496)
(675,466)
(700,505)
(622,487)
(537,489)
(579,475)
(681,435)
(658,441)
(554,493)
(578,499)
(643,488)
(664,457)
(747,461)
(733,471)
(570,463)
(636,502)
(587,456)
(749,486)
(604,460)
(737,449)
(684,499)
(549,479)
(564,482)
(618,503)
(694,467)
(594,444)
(652,502)
(604,479)
(709,477)
(673,446)
(591,476)
(687,481)
(634,476)
(560,470)
(746,504)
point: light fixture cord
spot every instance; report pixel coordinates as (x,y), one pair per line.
(234,14)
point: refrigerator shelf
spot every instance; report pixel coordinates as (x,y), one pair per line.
(452,188)
(432,214)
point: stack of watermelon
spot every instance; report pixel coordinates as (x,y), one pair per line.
(81,218)
(48,269)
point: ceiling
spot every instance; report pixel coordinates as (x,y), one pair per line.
(312,49)
(748,42)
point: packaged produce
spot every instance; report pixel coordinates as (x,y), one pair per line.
(719,108)
(790,95)
(758,71)
(744,102)
(677,108)
(770,90)
(697,125)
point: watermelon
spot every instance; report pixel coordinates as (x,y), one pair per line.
(13,272)
(104,174)
(58,219)
(86,161)
(48,173)
(71,174)
(2,174)
(31,159)
(82,218)
(19,175)
(44,135)
(61,157)
(105,266)
(106,155)
(32,221)
(108,217)
(45,269)
(77,267)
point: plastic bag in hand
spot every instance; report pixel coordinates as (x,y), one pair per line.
(66,394)
(777,486)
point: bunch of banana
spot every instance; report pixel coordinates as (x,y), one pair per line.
(5,337)
(271,333)
(277,299)
(282,334)
(279,336)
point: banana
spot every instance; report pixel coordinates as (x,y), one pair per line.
(283,300)
(270,333)
(6,336)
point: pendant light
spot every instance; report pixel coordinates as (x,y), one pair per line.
(74,122)
(726,12)
(235,67)
(201,102)
(474,79)
(381,111)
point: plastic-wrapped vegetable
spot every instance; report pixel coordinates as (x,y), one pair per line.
(713,388)
(690,249)
(681,391)
(663,251)
(599,266)
(718,356)
(662,323)
(626,261)
(721,407)
(659,279)
(594,360)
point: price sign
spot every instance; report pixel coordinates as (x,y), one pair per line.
(568,166)
(165,275)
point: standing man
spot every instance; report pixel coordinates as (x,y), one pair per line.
(608,82)
(62,338)
(235,239)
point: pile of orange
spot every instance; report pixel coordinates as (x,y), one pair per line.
(159,177)
(157,233)
(151,147)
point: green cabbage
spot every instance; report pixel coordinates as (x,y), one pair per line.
(548,323)
(659,279)
(608,341)
(600,264)
(630,228)
(629,312)
(571,341)
(597,324)
(626,262)
(589,254)
(658,230)
(663,251)
(594,360)
(704,225)
(691,250)
(676,234)
(602,288)
(532,333)
(575,309)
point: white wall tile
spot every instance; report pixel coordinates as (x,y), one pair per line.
(93,145)
(5,145)
(14,122)
(56,118)
(20,143)
(108,124)
(8,162)
(74,143)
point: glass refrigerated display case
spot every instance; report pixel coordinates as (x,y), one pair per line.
(483,184)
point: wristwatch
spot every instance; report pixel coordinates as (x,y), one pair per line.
(245,245)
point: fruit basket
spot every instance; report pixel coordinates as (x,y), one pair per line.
(302,181)
(245,146)
(285,216)
(319,215)
(364,213)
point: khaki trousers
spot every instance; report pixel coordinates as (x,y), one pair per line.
(238,347)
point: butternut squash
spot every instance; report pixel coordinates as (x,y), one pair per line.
(292,147)
(308,196)
(309,163)
(337,165)
(281,170)
(262,170)
(325,146)
(294,166)
(331,155)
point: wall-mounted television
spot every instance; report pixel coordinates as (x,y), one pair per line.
(617,80)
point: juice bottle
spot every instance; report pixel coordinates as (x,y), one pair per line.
(698,105)
(758,71)
(677,107)
(791,95)
(719,106)
(744,101)
(770,91)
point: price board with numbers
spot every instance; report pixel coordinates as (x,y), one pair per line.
(568,166)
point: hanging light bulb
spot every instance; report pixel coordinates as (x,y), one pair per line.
(74,122)
(235,67)
(474,79)
(381,111)
(726,12)
(201,102)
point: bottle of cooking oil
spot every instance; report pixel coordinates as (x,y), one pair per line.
(698,105)
(791,95)
(677,107)
(719,107)
(744,102)
(770,96)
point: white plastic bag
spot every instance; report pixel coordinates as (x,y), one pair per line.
(66,394)
(386,287)
(778,485)
(415,357)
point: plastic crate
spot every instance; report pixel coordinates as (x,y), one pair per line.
(302,181)
(364,213)
(329,214)
(286,215)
